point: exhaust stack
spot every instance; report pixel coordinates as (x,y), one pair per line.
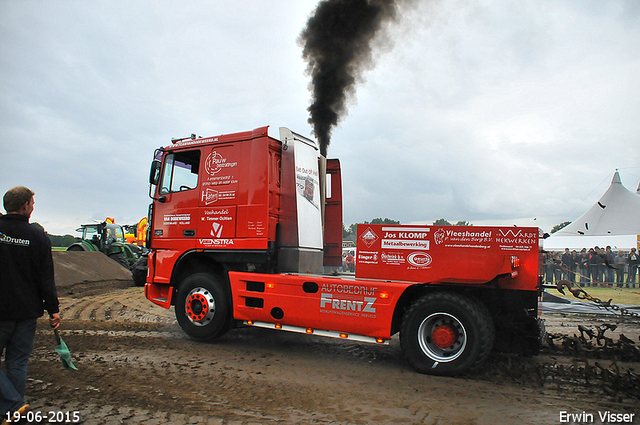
(300,241)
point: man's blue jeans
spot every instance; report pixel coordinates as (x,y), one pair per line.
(16,343)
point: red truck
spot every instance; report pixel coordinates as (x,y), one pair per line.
(246,230)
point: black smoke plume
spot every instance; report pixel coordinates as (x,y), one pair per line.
(337,48)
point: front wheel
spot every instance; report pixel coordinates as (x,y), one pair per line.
(139,270)
(202,307)
(446,334)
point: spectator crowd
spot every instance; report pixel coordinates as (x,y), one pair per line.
(593,267)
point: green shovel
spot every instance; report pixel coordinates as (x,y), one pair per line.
(63,350)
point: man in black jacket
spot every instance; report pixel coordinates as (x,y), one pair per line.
(27,288)
(568,265)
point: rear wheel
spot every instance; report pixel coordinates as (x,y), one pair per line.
(202,307)
(446,334)
(120,259)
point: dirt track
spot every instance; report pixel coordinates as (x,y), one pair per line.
(136,366)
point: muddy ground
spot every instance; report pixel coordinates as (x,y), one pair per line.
(136,366)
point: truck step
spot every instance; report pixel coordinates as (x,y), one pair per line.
(320,332)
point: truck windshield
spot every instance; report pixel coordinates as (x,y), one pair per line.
(180,172)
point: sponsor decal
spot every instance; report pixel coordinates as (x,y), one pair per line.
(404,244)
(209,196)
(349,289)
(516,240)
(219,214)
(306,186)
(215,243)
(517,237)
(216,162)
(368,257)
(258,228)
(219,217)
(308,171)
(405,238)
(467,234)
(220,181)
(175,219)
(419,259)
(348,300)
(405,235)
(4,238)
(452,238)
(358,307)
(369,237)
(393,258)
(217,230)
(189,142)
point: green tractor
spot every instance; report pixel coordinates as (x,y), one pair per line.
(108,238)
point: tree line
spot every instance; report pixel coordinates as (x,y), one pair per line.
(57,240)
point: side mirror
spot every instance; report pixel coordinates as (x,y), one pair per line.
(154,175)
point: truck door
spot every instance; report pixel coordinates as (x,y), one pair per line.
(175,215)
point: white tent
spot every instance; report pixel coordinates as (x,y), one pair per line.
(613,221)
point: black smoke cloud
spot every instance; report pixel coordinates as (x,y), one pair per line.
(337,46)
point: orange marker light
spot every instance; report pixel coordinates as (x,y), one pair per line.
(384,295)
(271,285)
(344,336)
(309,331)
(278,326)
(249,322)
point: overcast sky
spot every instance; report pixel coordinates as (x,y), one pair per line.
(487,111)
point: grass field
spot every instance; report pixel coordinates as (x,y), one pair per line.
(617,295)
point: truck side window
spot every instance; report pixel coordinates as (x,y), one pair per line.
(180,172)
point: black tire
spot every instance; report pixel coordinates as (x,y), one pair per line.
(75,248)
(120,259)
(139,271)
(202,307)
(446,334)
